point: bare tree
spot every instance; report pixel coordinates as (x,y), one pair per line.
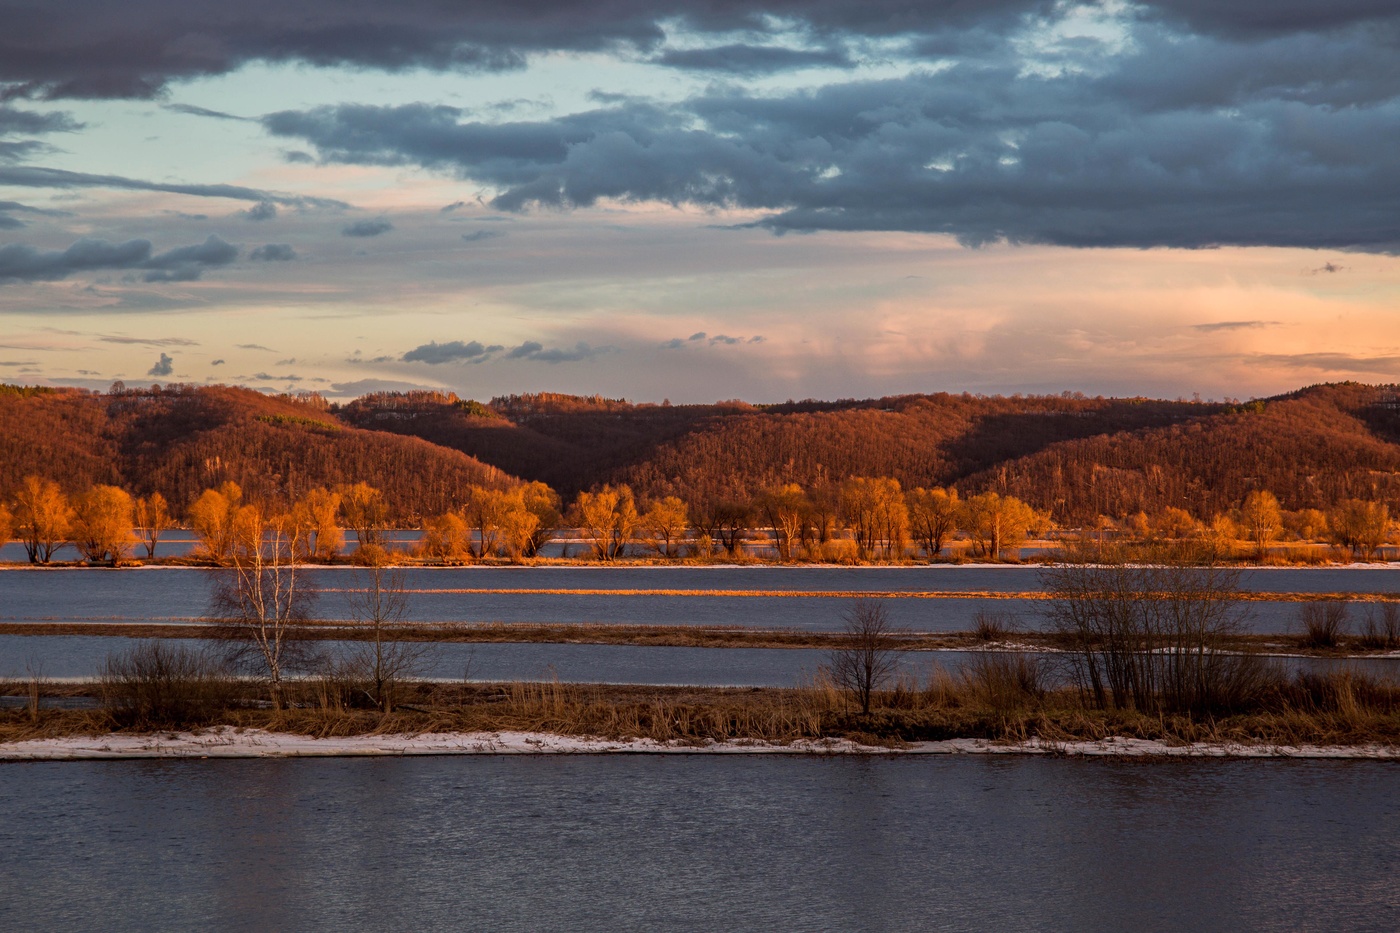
(1151,629)
(152,516)
(867,655)
(379,658)
(262,598)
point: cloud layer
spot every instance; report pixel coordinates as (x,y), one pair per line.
(23,263)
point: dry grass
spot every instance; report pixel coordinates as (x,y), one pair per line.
(1003,697)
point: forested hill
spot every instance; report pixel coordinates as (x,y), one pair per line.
(182,440)
(1077,457)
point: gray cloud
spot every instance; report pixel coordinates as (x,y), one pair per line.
(83,48)
(532,350)
(982,150)
(1331,362)
(752,59)
(23,263)
(1233,325)
(454,350)
(1252,18)
(163,367)
(14,122)
(255,346)
(33,176)
(263,210)
(194,111)
(274,252)
(367,228)
(477,236)
(366,386)
(188,263)
(18,208)
(268,377)
(217,363)
(151,341)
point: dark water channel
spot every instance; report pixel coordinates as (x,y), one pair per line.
(708,843)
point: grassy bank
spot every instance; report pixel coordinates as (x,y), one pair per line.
(996,701)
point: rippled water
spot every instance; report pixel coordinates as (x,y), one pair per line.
(641,843)
(176,594)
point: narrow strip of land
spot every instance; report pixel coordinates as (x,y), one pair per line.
(676,636)
(1024,595)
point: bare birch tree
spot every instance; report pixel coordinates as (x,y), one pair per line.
(262,598)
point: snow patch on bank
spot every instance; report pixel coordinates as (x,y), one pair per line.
(225,742)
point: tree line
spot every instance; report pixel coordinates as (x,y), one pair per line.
(861,519)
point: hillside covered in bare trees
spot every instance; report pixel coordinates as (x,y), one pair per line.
(1070,457)
(181,440)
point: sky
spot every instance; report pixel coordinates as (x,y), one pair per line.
(698,200)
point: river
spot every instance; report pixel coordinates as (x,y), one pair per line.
(701,843)
(634,595)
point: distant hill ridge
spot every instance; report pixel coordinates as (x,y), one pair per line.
(1074,456)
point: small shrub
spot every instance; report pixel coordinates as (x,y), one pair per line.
(840,551)
(158,685)
(1323,623)
(993,626)
(1381,628)
(1005,681)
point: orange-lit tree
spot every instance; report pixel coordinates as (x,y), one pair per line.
(102,524)
(42,518)
(152,516)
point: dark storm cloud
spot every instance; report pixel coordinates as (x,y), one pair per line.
(752,59)
(367,228)
(274,252)
(33,176)
(94,48)
(23,263)
(1267,153)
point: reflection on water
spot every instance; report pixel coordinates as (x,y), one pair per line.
(640,843)
(172,594)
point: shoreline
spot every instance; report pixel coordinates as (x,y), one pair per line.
(229,743)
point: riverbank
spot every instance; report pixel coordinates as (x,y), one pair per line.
(1003,700)
(225,742)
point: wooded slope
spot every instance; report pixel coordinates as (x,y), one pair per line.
(184,440)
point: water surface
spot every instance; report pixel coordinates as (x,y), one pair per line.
(639,843)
